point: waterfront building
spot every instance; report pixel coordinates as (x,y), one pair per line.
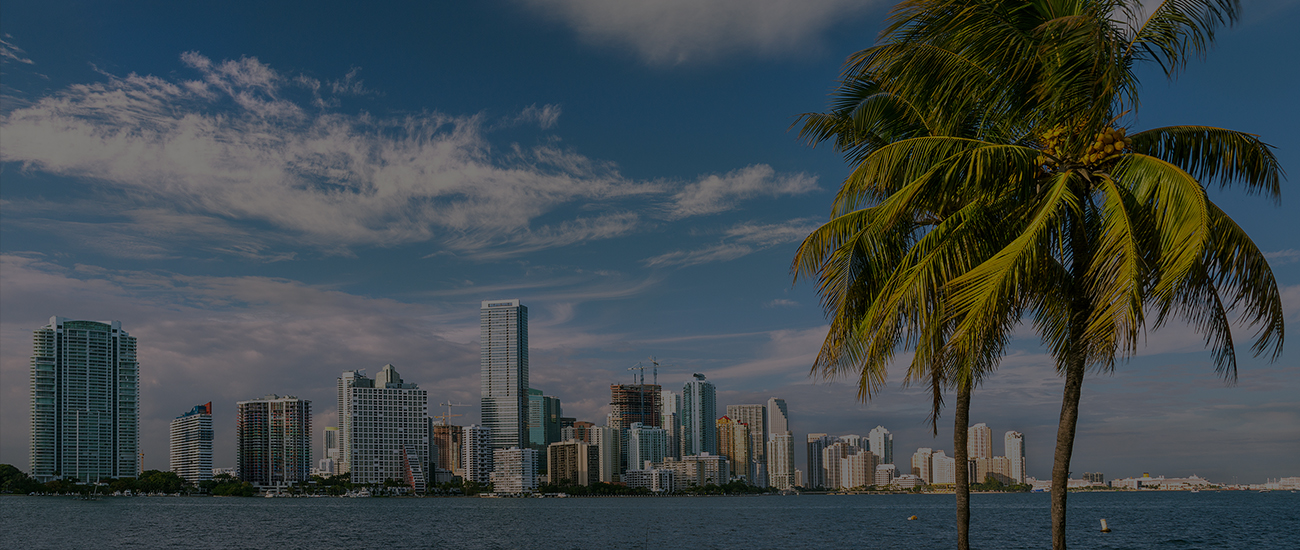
(1014,448)
(945,468)
(923,464)
(476,455)
(798,478)
(882,443)
(733,443)
(445,448)
(543,422)
(273,440)
(85,409)
(645,444)
(573,462)
(191,444)
(908,481)
(696,470)
(658,480)
(383,428)
(503,366)
(780,460)
(699,411)
(1158,482)
(833,456)
(979,441)
(778,417)
(670,419)
(858,469)
(609,443)
(754,416)
(514,471)
(816,471)
(331,442)
(885,474)
(1093,477)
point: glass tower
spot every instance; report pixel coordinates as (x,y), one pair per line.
(699,414)
(503,364)
(85,401)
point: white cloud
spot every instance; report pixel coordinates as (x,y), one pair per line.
(667,32)
(716,193)
(738,241)
(1283,257)
(10,52)
(245,144)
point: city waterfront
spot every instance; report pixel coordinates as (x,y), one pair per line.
(1139,520)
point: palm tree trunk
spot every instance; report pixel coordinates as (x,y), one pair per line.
(960,459)
(1074,371)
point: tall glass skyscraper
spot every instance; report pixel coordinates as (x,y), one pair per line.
(699,414)
(85,401)
(503,364)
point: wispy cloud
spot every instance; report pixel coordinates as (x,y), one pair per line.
(10,52)
(718,193)
(781,302)
(738,241)
(667,32)
(1283,257)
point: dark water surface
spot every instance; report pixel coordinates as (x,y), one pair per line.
(1140,520)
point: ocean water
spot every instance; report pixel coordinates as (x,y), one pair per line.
(1139,520)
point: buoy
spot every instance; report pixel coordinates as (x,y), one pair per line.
(1104,528)
(912,518)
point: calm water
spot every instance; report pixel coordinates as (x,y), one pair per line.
(1148,520)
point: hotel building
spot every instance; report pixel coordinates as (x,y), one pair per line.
(383,428)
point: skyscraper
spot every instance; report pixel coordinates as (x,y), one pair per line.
(1014,447)
(384,428)
(273,440)
(778,418)
(923,464)
(979,442)
(699,411)
(882,444)
(816,476)
(638,403)
(670,419)
(191,444)
(85,410)
(645,444)
(734,443)
(503,366)
(780,445)
(755,417)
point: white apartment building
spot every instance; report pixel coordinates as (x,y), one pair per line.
(882,444)
(609,444)
(476,454)
(383,428)
(659,480)
(1014,447)
(945,468)
(923,464)
(979,441)
(780,460)
(191,444)
(858,469)
(514,471)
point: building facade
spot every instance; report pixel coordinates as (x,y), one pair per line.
(573,462)
(635,403)
(1014,447)
(446,447)
(945,468)
(923,464)
(191,444)
(734,443)
(609,443)
(882,444)
(514,471)
(476,456)
(273,440)
(670,419)
(816,476)
(645,444)
(699,413)
(383,427)
(780,460)
(85,401)
(503,366)
(979,441)
(754,416)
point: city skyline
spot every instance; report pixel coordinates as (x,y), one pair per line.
(267,197)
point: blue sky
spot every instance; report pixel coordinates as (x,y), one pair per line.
(266,196)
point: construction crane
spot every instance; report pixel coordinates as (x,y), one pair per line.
(446,418)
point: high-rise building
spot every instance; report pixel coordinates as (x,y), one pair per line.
(945,468)
(446,447)
(608,442)
(833,464)
(573,462)
(882,444)
(885,474)
(384,428)
(780,460)
(754,416)
(331,440)
(979,442)
(579,430)
(503,365)
(191,448)
(476,457)
(816,476)
(858,469)
(85,410)
(514,470)
(1014,447)
(778,417)
(699,411)
(645,444)
(923,464)
(273,436)
(670,419)
(734,444)
(543,422)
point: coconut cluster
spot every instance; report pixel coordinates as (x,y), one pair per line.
(1109,142)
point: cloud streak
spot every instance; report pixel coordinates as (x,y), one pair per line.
(738,241)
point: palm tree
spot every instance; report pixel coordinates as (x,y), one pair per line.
(1097,229)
